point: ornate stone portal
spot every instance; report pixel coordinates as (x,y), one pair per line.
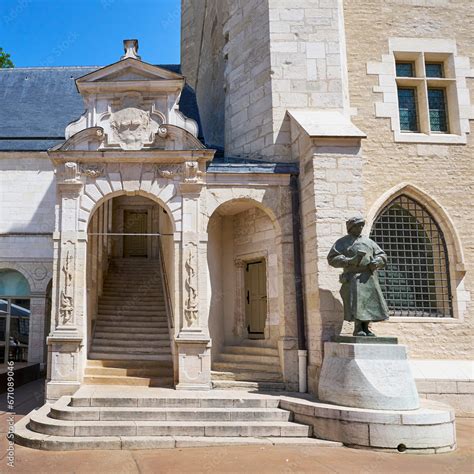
(132,139)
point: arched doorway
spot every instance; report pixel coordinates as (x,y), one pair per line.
(130,260)
(244,319)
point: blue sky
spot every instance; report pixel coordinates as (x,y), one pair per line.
(88,32)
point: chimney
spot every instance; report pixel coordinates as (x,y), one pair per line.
(130,46)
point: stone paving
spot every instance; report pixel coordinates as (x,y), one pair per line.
(261,459)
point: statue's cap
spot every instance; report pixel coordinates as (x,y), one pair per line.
(354,221)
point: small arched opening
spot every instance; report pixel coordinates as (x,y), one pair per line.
(244,317)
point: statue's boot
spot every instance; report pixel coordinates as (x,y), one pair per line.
(365,328)
(358,328)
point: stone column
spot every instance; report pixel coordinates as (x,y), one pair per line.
(288,341)
(193,341)
(66,353)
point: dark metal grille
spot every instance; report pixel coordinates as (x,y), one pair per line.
(415,281)
(437,106)
(407,109)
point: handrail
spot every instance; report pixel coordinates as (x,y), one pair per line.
(166,288)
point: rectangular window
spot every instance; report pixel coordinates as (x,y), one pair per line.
(437,108)
(405,69)
(407,109)
(434,70)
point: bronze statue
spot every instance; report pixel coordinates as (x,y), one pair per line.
(360,258)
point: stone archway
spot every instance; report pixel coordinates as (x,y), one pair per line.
(252,226)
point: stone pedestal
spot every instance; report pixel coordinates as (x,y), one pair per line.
(371,376)
(194,359)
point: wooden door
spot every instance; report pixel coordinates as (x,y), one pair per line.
(256,298)
(135,222)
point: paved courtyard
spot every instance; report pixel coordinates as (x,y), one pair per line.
(261,459)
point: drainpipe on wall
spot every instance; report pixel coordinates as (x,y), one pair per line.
(302,352)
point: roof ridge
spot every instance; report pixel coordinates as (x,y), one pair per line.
(28,68)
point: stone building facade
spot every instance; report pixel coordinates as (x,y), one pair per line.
(285,119)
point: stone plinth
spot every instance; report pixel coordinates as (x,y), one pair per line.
(371,376)
(365,339)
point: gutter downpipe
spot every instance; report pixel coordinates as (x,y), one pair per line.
(300,309)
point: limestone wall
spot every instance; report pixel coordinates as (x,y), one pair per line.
(203,63)
(443,172)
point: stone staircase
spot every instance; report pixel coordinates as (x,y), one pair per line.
(248,367)
(131,341)
(159,418)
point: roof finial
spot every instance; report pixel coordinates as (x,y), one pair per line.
(130,46)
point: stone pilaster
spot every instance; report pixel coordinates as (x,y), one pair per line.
(66,346)
(328,146)
(193,341)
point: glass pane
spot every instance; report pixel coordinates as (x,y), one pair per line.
(434,70)
(13,283)
(3,306)
(437,106)
(19,329)
(405,69)
(407,109)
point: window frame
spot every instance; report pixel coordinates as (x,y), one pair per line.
(456,69)
(448,271)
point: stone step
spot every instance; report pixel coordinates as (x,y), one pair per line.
(136,357)
(132,311)
(251,350)
(128,380)
(140,350)
(30,439)
(245,366)
(130,364)
(172,400)
(239,358)
(138,303)
(131,343)
(125,327)
(46,425)
(150,372)
(132,319)
(135,336)
(247,376)
(168,414)
(246,385)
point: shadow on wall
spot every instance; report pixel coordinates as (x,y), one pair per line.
(332,315)
(29,196)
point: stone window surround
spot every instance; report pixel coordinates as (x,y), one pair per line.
(457,268)
(459,106)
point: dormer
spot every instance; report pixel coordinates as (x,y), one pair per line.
(131,105)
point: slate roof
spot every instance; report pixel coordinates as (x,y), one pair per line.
(36,105)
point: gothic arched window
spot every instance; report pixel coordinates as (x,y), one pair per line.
(415,281)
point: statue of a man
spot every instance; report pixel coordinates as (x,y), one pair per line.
(360,258)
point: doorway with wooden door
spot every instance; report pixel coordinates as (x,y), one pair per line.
(256,298)
(135,222)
